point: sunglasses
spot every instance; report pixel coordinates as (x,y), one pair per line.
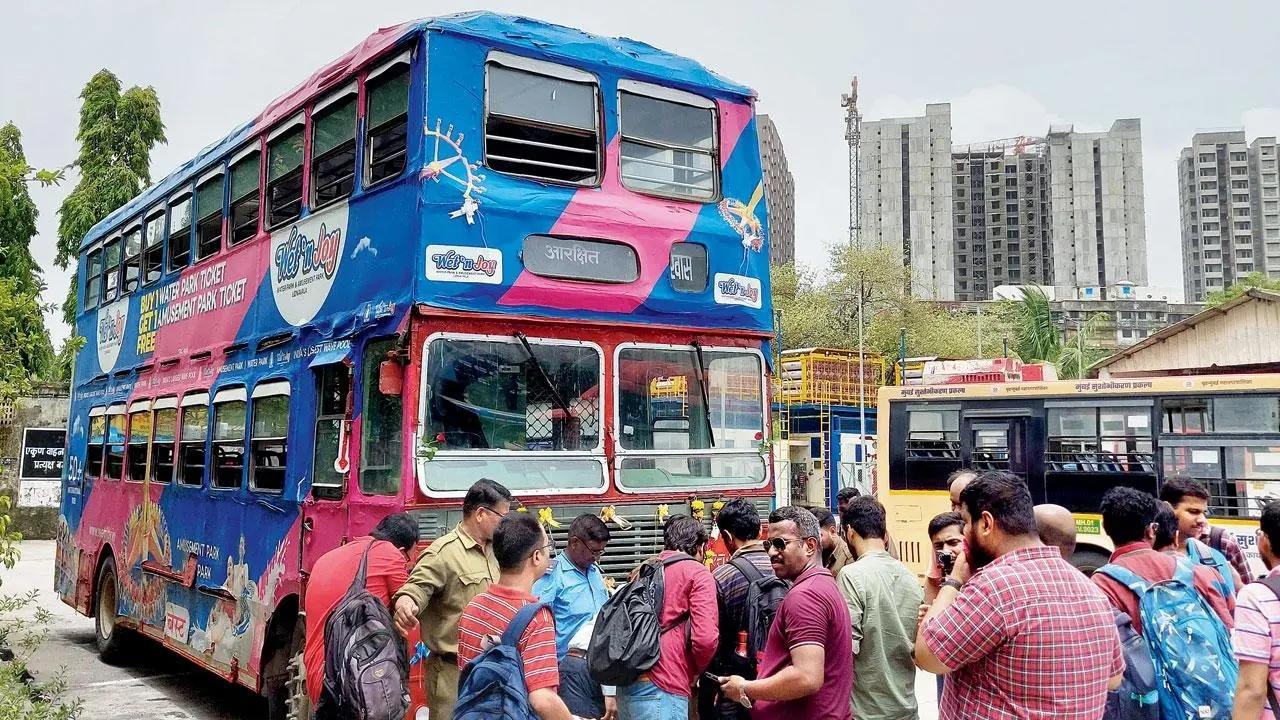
(779,544)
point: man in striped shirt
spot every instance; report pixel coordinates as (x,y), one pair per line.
(1256,636)
(524,553)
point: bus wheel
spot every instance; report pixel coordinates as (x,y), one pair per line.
(1086,561)
(287,697)
(111,637)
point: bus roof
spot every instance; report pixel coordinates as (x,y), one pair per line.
(524,35)
(1071,388)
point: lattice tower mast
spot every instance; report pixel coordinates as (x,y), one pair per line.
(853,136)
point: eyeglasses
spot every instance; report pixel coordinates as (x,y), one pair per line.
(596,553)
(550,547)
(779,544)
(495,512)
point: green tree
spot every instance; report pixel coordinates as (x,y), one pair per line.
(1037,339)
(1238,288)
(117,133)
(25,350)
(18,212)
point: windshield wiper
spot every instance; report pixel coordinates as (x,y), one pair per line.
(556,399)
(700,368)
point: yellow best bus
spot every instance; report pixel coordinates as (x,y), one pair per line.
(1072,440)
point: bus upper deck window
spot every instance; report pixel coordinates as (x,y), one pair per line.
(228,442)
(111,270)
(332,385)
(138,448)
(284,176)
(132,258)
(386,123)
(244,197)
(93,280)
(180,231)
(333,150)
(270,432)
(191,446)
(153,247)
(669,148)
(115,444)
(209,227)
(542,125)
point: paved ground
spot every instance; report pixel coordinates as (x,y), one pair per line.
(158,685)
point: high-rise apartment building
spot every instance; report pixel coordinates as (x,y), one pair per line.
(1000,217)
(779,193)
(1229,202)
(1097,226)
(906,178)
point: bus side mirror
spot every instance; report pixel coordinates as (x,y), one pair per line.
(390,377)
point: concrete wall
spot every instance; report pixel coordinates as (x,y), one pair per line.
(47,406)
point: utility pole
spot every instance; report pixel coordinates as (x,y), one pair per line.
(853,136)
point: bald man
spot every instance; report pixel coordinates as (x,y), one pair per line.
(957,481)
(1057,528)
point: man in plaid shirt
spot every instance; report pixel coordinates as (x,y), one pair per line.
(1019,632)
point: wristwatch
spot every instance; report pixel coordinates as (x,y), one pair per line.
(952,582)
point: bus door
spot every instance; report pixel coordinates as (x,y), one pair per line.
(997,439)
(324,510)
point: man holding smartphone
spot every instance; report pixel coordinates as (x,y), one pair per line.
(807,668)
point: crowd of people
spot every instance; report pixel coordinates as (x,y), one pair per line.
(815,617)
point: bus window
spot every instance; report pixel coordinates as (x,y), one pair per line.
(97,436)
(1253,480)
(244,197)
(333,149)
(164,439)
(284,176)
(542,125)
(270,430)
(931,450)
(381,419)
(153,247)
(332,384)
(669,148)
(228,438)
(180,231)
(132,258)
(1099,439)
(1185,416)
(386,122)
(111,270)
(93,280)
(209,226)
(137,449)
(195,431)
(689,418)
(115,442)
(1246,414)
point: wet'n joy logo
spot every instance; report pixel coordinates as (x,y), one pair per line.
(305,258)
(112,320)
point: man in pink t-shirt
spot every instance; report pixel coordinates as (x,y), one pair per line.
(807,668)
(1256,636)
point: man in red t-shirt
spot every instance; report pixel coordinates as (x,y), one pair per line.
(333,573)
(807,668)
(1128,517)
(524,553)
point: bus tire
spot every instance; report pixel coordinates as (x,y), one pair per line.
(111,638)
(287,697)
(1086,560)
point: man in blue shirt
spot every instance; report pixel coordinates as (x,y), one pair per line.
(574,587)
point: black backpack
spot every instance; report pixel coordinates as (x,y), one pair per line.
(1138,697)
(764,595)
(366,664)
(625,642)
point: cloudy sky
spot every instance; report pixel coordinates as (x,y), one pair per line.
(1007,69)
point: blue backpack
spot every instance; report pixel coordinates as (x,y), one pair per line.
(1190,647)
(1138,697)
(1202,554)
(492,687)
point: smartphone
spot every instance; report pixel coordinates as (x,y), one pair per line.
(711,678)
(947,561)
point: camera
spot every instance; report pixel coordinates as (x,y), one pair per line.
(947,561)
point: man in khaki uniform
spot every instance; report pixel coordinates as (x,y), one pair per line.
(456,567)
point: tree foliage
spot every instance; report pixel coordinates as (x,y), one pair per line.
(1038,339)
(117,133)
(25,351)
(1238,288)
(823,312)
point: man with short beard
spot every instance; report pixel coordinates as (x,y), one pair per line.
(1020,633)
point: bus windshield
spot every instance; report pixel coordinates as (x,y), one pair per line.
(676,400)
(494,405)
